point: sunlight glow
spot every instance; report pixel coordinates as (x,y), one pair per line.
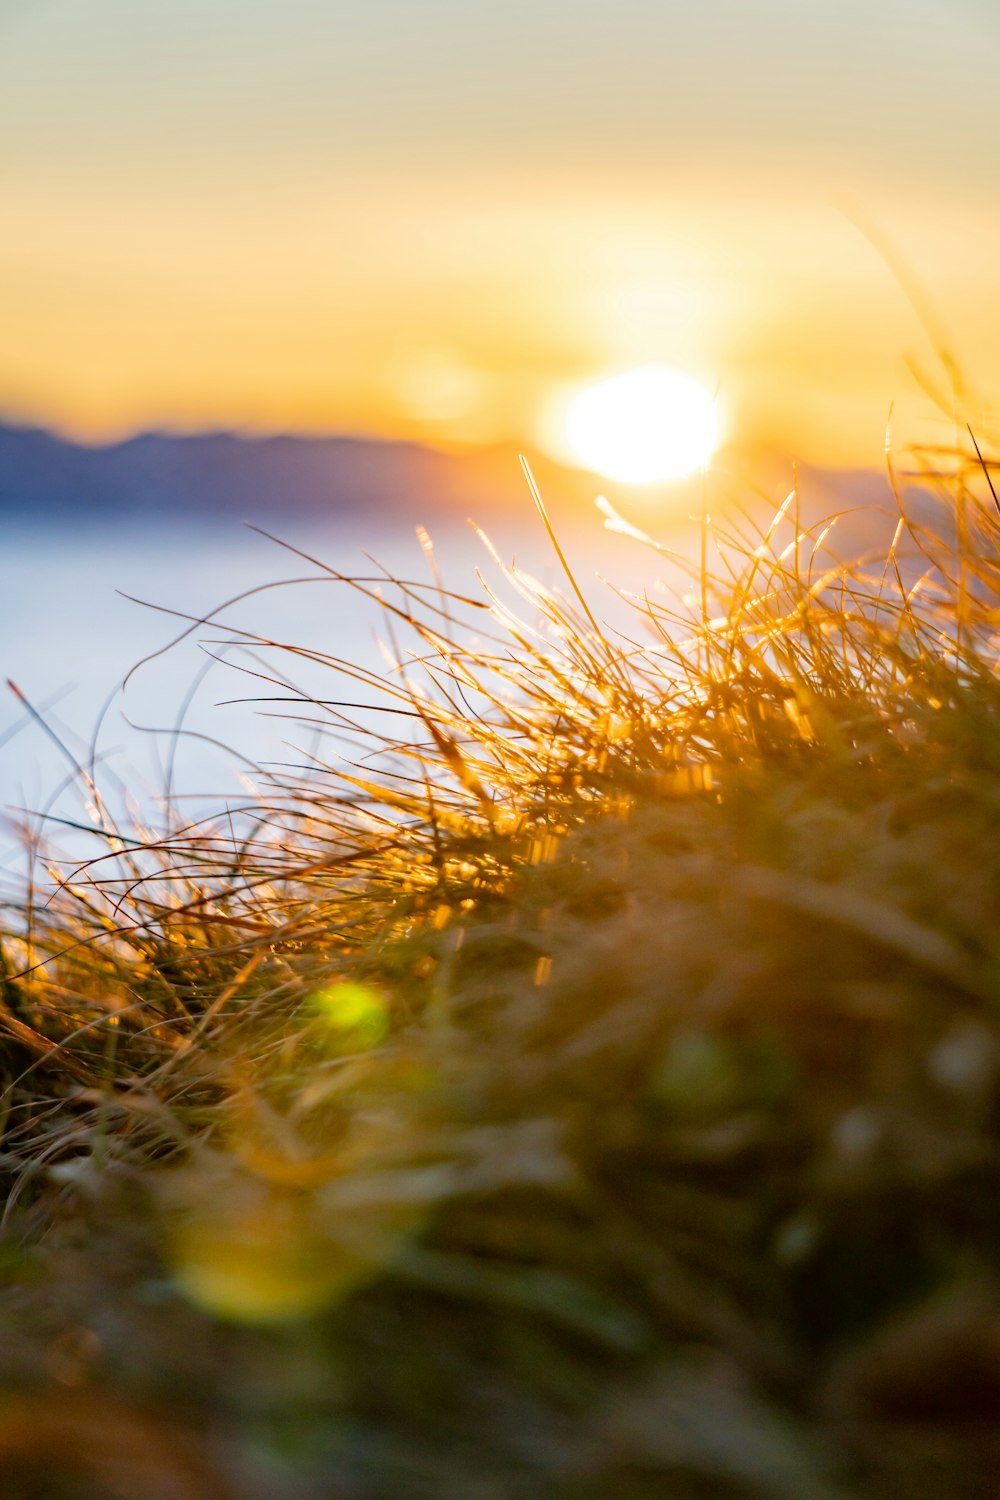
(650,424)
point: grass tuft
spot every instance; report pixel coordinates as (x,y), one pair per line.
(582,1077)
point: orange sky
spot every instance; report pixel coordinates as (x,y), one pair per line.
(431,221)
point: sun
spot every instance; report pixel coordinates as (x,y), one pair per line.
(647,425)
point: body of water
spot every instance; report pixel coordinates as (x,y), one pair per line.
(70,638)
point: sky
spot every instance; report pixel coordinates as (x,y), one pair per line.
(435,220)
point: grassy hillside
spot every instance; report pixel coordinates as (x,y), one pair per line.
(583,1083)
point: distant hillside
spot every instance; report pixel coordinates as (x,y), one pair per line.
(44,477)
(227,474)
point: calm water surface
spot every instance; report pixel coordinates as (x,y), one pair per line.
(68,638)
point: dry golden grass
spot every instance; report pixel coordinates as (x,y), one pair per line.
(605,1073)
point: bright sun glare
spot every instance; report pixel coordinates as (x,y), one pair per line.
(650,424)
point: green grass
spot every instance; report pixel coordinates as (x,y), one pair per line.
(594,1091)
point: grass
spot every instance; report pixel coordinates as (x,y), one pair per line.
(589,1085)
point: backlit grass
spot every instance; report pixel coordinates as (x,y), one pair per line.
(587,1085)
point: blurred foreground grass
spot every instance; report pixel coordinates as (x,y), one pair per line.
(590,1088)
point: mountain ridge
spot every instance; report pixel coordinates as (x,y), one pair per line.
(230,474)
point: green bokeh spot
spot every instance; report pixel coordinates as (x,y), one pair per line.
(355,1015)
(698,1074)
